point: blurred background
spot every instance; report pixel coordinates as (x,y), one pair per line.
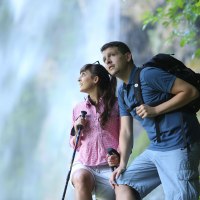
(43,44)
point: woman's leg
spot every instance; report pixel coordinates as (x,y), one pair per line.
(83,183)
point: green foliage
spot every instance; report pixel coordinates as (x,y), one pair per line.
(139,145)
(182,16)
(198,52)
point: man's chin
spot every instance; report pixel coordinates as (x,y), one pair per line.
(114,73)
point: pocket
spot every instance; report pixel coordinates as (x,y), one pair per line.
(189,180)
(187,170)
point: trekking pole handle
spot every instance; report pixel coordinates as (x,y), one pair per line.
(83,114)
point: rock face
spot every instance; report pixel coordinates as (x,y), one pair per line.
(153,39)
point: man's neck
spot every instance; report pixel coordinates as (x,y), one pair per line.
(126,74)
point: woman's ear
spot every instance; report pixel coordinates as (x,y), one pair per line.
(96,79)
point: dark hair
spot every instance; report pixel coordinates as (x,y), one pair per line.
(107,85)
(123,48)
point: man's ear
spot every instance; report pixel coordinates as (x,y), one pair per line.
(128,56)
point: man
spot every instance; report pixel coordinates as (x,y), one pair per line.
(168,162)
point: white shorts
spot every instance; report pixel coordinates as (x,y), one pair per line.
(101,175)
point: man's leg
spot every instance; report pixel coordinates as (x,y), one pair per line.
(125,192)
(141,175)
(178,171)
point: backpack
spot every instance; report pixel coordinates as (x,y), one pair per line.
(174,66)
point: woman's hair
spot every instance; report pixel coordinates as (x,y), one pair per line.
(107,85)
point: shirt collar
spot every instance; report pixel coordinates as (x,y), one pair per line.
(88,102)
(131,77)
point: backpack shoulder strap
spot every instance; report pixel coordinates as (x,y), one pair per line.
(139,99)
(137,90)
(137,86)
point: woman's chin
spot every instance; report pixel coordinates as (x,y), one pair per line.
(82,90)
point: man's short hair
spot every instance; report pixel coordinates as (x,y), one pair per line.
(123,48)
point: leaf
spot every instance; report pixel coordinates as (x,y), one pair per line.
(179,3)
(165,23)
(197,4)
(197,53)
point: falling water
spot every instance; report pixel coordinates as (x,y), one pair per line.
(43,44)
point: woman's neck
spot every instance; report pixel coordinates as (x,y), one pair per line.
(94,97)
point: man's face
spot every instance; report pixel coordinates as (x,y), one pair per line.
(115,62)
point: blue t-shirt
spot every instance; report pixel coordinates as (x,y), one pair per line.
(156,85)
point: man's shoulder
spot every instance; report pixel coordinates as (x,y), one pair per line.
(121,88)
(151,74)
(150,69)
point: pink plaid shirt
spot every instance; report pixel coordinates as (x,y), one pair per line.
(94,140)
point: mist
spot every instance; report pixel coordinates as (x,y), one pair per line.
(43,44)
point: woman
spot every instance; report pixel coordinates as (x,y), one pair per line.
(90,172)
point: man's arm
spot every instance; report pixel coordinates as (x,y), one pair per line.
(183,94)
(125,145)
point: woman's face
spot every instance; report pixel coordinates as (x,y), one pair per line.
(87,81)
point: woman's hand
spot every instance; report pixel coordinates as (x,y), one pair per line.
(79,122)
(113,160)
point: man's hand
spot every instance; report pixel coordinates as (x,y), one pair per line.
(146,111)
(115,175)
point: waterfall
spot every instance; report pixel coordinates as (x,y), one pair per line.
(43,44)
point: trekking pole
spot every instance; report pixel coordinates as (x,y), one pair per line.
(80,127)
